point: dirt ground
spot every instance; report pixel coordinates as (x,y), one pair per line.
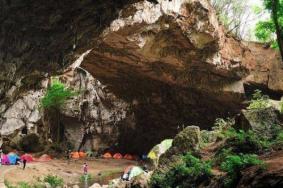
(70,172)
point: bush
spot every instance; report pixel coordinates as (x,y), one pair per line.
(245,141)
(186,174)
(233,165)
(23,185)
(259,101)
(85,178)
(54,181)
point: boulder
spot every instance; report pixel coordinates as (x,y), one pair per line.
(188,140)
(96,185)
(264,122)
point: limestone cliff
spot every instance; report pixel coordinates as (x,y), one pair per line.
(150,67)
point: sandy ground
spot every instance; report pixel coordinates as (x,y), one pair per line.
(71,172)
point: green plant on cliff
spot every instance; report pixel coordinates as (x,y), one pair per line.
(56,96)
(233,165)
(259,101)
(186,174)
(245,141)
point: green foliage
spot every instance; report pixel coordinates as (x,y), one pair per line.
(259,101)
(54,181)
(185,174)
(86,178)
(8,185)
(56,95)
(245,141)
(233,165)
(265,30)
(23,185)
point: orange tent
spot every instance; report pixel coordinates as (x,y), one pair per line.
(107,156)
(82,154)
(128,157)
(75,155)
(117,156)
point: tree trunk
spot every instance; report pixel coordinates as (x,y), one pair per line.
(279,32)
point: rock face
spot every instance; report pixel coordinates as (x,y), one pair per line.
(155,64)
(264,122)
(91,120)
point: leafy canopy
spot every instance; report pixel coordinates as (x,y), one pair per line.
(56,95)
(265,30)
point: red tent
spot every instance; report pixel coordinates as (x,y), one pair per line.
(27,157)
(117,156)
(128,157)
(44,158)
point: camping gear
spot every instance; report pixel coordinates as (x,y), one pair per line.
(75,155)
(132,171)
(128,157)
(44,158)
(159,149)
(13,158)
(27,157)
(5,160)
(107,155)
(82,154)
(117,156)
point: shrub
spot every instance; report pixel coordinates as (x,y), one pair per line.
(56,95)
(186,174)
(259,101)
(23,185)
(233,165)
(245,141)
(54,181)
(85,178)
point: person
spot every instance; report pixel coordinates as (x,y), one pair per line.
(24,163)
(85,168)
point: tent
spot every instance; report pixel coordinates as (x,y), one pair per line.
(5,159)
(135,171)
(117,156)
(82,154)
(13,158)
(75,155)
(159,149)
(128,157)
(44,158)
(132,171)
(107,155)
(27,157)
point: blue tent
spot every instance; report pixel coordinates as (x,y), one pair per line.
(13,158)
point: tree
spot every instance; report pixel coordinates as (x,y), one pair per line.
(272,30)
(56,96)
(233,14)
